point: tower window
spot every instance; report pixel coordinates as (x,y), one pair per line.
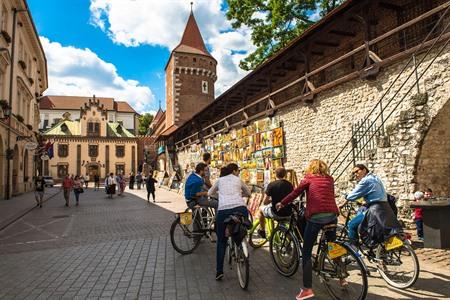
(204,87)
(194,59)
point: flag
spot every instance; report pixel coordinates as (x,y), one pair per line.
(50,151)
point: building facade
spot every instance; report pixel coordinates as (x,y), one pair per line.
(52,109)
(23,79)
(90,145)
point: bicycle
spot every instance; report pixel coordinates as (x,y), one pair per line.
(254,239)
(237,248)
(190,226)
(389,257)
(339,267)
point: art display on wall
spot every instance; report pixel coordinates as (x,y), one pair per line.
(257,148)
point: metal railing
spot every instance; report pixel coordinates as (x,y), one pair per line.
(364,132)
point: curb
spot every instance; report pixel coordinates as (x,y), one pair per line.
(24,212)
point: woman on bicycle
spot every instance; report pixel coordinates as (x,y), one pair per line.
(230,189)
(321,209)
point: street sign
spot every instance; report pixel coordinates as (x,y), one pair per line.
(45,157)
(31,146)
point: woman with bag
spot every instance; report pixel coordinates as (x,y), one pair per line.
(77,188)
(150,184)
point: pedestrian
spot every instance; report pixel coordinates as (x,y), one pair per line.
(132,177)
(110,185)
(150,184)
(78,188)
(139,180)
(81,178)
(418,215)
(207,176)
(39,184)
(67,187)
(86,180)
(96,182)
(120,183)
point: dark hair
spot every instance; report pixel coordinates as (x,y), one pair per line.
(232,167)
(224,172)
(206,156)
(280,172)
(429,190)
(200,167)
(362,167)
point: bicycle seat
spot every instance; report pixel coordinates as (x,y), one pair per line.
(197,206)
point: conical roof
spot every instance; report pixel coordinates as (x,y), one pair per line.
(192,41)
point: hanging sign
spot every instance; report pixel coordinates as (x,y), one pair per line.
(45,157)
(31,146)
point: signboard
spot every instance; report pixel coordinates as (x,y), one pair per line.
(31,146)
(45,157)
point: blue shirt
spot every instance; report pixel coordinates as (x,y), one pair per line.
(194,184)
(370,188)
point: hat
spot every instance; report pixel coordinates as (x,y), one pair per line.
(418,195)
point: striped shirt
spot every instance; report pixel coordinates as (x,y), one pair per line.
(230,189)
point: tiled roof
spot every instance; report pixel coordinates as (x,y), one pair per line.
(192,41)
(117,130)
(122,106)
(73,128)
(71,102)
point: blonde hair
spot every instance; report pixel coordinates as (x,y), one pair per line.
(317,167)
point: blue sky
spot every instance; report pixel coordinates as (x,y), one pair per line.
(119,48)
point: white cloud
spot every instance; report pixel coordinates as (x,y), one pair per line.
(80,72)
(161,23)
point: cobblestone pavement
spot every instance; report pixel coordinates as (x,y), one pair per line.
(119,248)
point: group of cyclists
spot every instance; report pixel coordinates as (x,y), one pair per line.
(321,207)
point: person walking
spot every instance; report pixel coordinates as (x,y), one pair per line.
(86,180)
(132,178)
(77,188)
(39,185)
(321,210)
(67,187)
(418,215)
(150,185)
(121,183)
(110,185)
(96,182)
(139,180)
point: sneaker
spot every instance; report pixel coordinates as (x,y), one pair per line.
(262,233)
(40,205)
(67,205)
(219,276)
(305,294)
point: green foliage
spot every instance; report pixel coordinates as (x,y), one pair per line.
(144,122)
(274,23)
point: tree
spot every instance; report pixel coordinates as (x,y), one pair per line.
(274,23)
(144,122)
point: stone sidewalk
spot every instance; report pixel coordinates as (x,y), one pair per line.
(16,207)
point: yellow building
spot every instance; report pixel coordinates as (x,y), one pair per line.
(90,145)
(23,79)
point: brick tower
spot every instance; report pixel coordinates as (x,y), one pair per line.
(190,77)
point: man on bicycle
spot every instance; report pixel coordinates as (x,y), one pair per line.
(194,192)
(275,191)
(371,189)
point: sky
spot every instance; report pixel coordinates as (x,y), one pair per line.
(119,48)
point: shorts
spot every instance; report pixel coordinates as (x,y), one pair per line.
(267,211)
(39,194)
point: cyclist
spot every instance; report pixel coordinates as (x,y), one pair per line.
(230,189)
(275,191)
(193,191)
(371,189)
(321,210)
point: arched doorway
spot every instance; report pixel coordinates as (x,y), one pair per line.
(15,171)
(92,170)
(26,173)
(433,164)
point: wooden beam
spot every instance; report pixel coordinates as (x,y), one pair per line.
(327,44)
(343,33)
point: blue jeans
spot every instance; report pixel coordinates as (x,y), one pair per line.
(419,226)
(353,226)
(309,238)
(77,195)
(221,239)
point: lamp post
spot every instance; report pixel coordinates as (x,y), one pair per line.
(9,151)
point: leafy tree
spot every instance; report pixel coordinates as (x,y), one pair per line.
(274,23)
(144,122)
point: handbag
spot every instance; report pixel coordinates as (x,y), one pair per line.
(80,190)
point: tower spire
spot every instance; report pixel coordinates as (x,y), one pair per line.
(192,3)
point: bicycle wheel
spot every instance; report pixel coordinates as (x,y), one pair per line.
(254,239)
(285,251)
(229,252)
(399,267)
(344,277)
(243,265)
(185,238)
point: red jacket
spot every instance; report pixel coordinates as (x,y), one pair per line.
(418,213)
(319,195)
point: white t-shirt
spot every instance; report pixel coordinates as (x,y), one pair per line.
(230,189)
